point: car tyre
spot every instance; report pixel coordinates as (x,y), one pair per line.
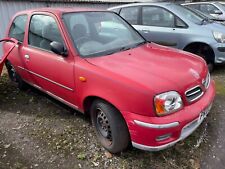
(210,66)
(14,77)
(110,127)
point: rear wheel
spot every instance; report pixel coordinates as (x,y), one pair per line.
(14,77)
(110,127)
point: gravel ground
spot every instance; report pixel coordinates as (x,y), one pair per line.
(36,131)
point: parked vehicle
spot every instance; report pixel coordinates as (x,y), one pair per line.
(207,16)
(222,3)
(176,26)
(95,62)
(216,9)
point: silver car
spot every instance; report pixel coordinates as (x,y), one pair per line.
(176,26)
(216,9)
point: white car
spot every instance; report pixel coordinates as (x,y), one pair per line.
(216,9)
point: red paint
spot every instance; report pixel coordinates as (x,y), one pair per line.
(129,80)
(4,57)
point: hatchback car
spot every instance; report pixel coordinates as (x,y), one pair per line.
(176,26)
(95,62)
(216,9)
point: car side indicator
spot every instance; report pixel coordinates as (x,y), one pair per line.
(82,79)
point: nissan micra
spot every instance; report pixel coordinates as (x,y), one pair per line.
(93,61)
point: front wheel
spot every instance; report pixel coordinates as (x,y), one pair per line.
(110,127)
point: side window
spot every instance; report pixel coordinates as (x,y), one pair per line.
(195,6)
(17,29)
(179,23)
(155,16)
(208,8)
(130,14)
(42,31)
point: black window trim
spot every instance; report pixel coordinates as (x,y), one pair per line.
(24,26)
(39,48)
(175,18)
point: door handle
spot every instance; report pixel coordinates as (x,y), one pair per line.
(27,57)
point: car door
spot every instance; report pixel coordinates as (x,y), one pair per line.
(17,31)
(161,26)
(50,72)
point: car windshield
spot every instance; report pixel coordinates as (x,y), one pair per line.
(189,14)
(100,33)
(204,15)
(221,5)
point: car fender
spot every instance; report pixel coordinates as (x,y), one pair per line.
(4,57)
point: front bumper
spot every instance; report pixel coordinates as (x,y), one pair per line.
(146,132)
(219,51)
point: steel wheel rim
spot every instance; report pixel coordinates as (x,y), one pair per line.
(103,126)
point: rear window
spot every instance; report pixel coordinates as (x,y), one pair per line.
(17,29)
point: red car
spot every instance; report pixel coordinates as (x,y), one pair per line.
(94,61)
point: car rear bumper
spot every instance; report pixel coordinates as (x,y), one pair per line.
(158,133)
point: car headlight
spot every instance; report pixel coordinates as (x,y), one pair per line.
(167,103)
(219,37)
(206,82)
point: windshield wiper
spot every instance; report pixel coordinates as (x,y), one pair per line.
(141,43)
(124,48)
(133,46)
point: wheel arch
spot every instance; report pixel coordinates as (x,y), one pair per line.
(194,46)
(88,101)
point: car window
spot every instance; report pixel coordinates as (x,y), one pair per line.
(189,14)
(195,6)
(78,19)
(43,30)
(208,8)
(111,29)
(106,33)
(155,16)
(179,23)
(17,29)
(130,14)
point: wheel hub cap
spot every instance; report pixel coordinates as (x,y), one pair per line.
(103,124)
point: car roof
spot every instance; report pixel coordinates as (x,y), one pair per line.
(205,2)
(57,10)
(163,4)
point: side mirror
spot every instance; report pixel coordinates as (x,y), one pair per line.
(217,12)
(58,48)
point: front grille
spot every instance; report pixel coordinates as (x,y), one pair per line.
(194,93)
